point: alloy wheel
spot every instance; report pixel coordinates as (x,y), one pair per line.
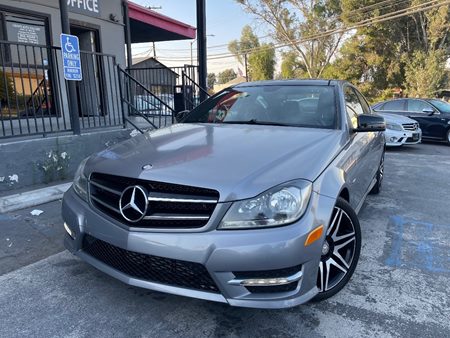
(381,171)
(338,251)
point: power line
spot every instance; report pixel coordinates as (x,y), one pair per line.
(364,23)
(380,5)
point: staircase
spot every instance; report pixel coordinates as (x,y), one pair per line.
(148,105)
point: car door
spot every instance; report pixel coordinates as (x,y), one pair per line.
(359,171)
(428,117)
(397,106)
(377,142)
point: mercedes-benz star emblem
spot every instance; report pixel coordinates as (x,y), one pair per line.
(133,203)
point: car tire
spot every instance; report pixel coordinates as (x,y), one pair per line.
(379,178)
(448,137)
(340,251)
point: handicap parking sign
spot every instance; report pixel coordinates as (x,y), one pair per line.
(70,50)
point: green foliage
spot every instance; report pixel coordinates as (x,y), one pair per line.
(290,21)
(408,52)
(226,76)
(291,68)
(6,88)
(425,74)
(55,165)
(247,42)
(211,80)
(261,63)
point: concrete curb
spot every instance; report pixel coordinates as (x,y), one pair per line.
(32,198)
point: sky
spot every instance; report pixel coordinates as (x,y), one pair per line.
(224,19)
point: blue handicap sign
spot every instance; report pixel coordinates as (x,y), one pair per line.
(70,50)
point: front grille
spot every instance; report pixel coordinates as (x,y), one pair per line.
(150,268)
(410,126)
(169,205)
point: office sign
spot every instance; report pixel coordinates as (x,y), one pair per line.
(70,50)
(85,7)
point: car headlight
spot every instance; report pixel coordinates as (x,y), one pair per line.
(394,126)
(80,182)
(278,206)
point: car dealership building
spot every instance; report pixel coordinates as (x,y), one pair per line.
(39,113)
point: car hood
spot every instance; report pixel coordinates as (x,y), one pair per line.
(398,119)
(239,161)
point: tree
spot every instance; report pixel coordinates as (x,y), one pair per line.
(260,62)
(291,68)
(247,42)
(226,76)
(425,74)
(382,56)
(211,80)
(294,22)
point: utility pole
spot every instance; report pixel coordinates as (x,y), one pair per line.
(126,20)
(201,47)
(72,95)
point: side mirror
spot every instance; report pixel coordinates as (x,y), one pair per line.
(428,111)
(368,123)
(179,116)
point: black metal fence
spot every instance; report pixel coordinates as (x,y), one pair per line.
(99,102)
(33,94)
(142,108)
(34,100)
(175,86)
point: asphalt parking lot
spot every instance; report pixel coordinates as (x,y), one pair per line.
(400,287)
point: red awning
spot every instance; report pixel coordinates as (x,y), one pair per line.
(148,26)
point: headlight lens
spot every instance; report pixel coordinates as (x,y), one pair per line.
(281,205)
(394,126)
(80,182)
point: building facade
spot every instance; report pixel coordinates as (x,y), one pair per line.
(34,96)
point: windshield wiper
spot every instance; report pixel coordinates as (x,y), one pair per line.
(258,122)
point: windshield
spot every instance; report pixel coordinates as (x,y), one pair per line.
(302,106)
(443,107)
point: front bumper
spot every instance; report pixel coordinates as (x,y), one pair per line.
(223,253)
(395,138)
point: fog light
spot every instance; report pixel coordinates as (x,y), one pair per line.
(70,232)
(267,281)
(393,139)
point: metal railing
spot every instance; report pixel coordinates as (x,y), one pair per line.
(30,90)
(140,105)
(176,86)
(33,94)
(99,102)
(192,98)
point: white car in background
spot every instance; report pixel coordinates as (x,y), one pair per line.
(401,130)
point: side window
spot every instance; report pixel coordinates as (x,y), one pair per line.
(364,104)
(418,105)
(352,106)
(394,105)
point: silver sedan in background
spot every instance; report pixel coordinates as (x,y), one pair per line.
(250,200)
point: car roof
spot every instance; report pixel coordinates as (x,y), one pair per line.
(409,98)
(293,82)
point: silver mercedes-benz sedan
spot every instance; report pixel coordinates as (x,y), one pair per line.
(251,199)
